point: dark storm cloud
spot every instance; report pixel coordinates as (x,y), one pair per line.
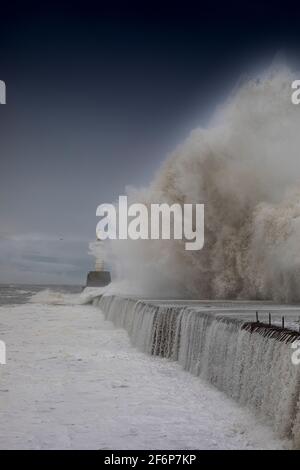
(97,95)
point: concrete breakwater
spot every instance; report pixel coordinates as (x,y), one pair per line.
(254,369)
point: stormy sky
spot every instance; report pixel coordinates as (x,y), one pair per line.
(97,96)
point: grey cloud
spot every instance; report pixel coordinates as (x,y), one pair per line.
(32,258)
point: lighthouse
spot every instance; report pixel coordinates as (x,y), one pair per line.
(100,277)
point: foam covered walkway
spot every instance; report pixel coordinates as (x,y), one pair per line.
(72,380)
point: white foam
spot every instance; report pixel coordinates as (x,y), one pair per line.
(245,168)
(88,294)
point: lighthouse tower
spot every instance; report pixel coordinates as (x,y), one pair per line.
(99,264)
(100,277)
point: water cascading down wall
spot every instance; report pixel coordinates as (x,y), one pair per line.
(254,369)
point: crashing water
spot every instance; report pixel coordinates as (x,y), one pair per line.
(244,167)
(13,294)
(252,369)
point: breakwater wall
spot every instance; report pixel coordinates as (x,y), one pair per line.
(253,368)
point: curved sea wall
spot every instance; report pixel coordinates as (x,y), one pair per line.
(254,369)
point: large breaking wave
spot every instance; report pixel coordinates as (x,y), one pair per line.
(245,168)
